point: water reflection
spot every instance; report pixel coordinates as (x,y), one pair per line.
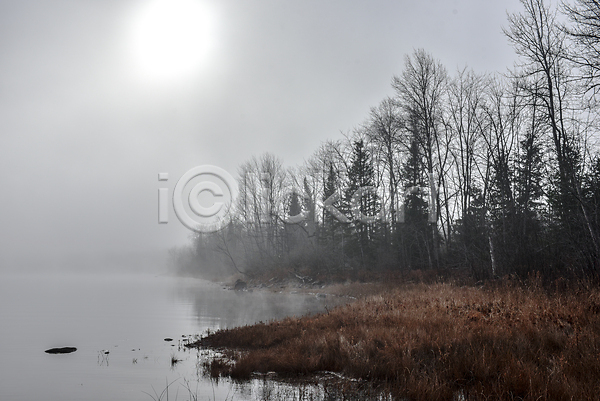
(218,308)
(327,387)
(119,324)
(103,358)
(215,307)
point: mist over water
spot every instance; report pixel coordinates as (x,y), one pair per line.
(76,261)
(128,312)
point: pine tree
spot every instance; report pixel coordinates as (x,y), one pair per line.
(529,193)
(413,234)
(293,230)
(362,235)
(330,224)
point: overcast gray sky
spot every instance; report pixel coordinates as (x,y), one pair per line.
(85,127)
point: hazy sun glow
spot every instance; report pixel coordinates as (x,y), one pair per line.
(171,38)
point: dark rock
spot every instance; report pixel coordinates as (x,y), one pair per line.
(168,339)
(63,350)
(240,285)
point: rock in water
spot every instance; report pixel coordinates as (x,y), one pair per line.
(63,350)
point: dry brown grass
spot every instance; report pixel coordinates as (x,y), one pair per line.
(430,342)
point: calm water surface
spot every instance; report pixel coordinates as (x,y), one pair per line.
(130,316)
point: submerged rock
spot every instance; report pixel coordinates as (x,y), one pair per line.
(63,350)
(240,285)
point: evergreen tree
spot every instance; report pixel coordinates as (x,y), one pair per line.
(292,230)
(362,235)
(529,195)
(591,199)
(413,232)
(330,224)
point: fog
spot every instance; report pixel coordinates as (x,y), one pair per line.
(85,132)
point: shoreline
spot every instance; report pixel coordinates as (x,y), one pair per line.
(433,341)
(355,287)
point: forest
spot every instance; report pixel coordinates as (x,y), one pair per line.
(458,173)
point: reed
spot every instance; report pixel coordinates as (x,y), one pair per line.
(432,342)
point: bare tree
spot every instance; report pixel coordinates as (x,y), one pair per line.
(464,120)
(537,38)
(541,43)
(384,130)
(584,31)
(263,183)
(421,88)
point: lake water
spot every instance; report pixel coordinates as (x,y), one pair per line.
(130,316)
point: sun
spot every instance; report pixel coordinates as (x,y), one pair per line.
(171,38)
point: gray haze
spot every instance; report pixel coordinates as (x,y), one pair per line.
(84,134)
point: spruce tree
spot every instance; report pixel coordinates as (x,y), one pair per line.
(330,223)
(413,231)
(362,235)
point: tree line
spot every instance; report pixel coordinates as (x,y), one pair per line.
(496,174)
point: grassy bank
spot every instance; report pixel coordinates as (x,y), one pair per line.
(429,342)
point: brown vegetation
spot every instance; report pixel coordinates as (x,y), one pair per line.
(433,342)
